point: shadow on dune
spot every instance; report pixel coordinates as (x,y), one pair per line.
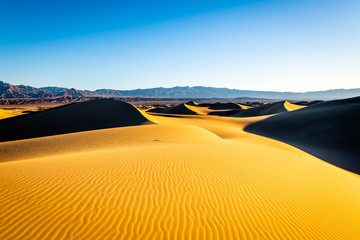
(224,106)
(266,109)
(328,130)
(179,109)
(224,109)
(192,103)
(91,115)
(306,103)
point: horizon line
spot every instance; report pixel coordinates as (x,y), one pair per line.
(184,87)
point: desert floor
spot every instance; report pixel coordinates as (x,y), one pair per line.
(107,170)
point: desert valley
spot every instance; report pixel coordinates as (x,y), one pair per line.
(191,120)
(106,169)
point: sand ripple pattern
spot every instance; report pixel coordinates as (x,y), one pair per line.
(178,191)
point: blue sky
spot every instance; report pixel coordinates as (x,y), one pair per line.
(296,45)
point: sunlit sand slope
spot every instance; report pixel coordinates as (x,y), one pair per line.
(97,114)
(292,106)
(267,109)
(187,185)
(227,109)
(192,108)
(328,130)
(4,113)
(102,139)
(226,128)
(215,109)
(203,110)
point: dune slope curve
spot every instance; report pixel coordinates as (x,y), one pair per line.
(223,106)
(177,182)
(267,109)
(92,115)
(178,109)
(329,131)
(292,106)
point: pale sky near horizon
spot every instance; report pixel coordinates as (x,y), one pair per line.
(299,45)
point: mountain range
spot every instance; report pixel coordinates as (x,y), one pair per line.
(8,91)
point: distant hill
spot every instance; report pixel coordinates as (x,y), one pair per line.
(21,91)
(211,92)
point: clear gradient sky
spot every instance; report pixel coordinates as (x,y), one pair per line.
(281,45)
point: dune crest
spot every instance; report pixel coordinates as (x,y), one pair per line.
(178,109)
(91,115)
(292,106)
(246,111)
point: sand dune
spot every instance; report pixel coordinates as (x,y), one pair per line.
(192,108)
(179,190)
(226,128)
(244,106)
(228,109)
(97,114)
(217,108)
(228,106)
(328,130)
(179,109)
(192,103)
(223,106)
(291,106)
(187,177)
(267,109)
(204,110)
(102,139)
(306,103)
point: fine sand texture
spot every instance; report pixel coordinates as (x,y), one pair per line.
(141,175)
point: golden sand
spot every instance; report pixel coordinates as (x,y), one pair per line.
(187,177)
(206,110)
(7,113)
(291,106)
